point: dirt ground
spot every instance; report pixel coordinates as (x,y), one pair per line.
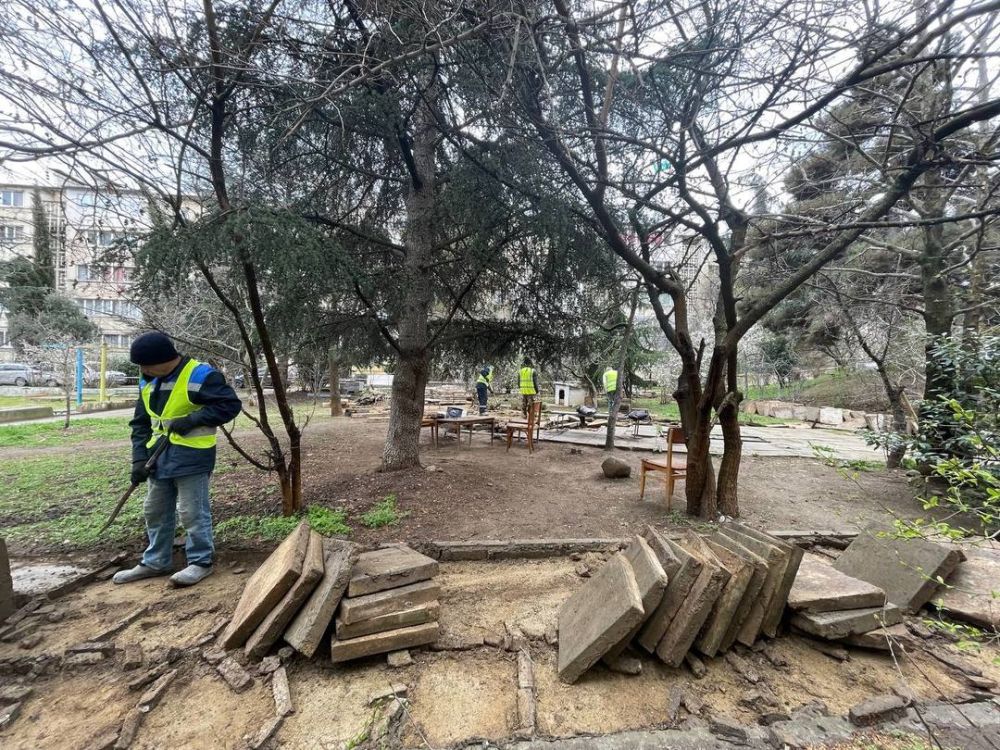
(484,492)
(454,696)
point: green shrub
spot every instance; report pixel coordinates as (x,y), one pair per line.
(383,514)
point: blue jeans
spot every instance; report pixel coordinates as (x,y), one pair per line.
(187,496)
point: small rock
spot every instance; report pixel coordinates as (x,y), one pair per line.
(56,616)
(285,653)
(615,468)
(268,665)
(493,640)
(214,655)
(104,741)
(139,682)
(576,556)
(235,675)
(692,703)
(130,728)
(954,662)
(133,657)
(774,717)
(723,726)
(399,659)
(552,635)
(983,683)
(877,709)
(625,665)
(758,698)
(919,629)
(674,699)
(107,648)
(239,571)
(905,692)
(8,714)
(265,733)
(431,468)
(282,693)
(14,694)
(583,570)
(696,665)
(85,659)
(776,659)
(693,724)
(393,691)
(155,692)
(811,710)
(31,641)
(838,653)
(742,666)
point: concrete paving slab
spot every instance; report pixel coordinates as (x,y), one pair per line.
(777,561)
(393,621)
(776,605)
(973,590)
(906,569)
(754,586)
(597,616)
(836,625)
(696,608)
(274,624)
(819,587)
(267,586)
(366,607)
(721,618)
(380,643)
(306,631)
(678,587)
(389,568)
(652,582)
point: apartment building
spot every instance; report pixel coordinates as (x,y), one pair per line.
(86,226)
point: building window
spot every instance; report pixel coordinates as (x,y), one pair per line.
(101,237)
(117,340)
(13,198)
(93,272)
(117,307)
(11,232)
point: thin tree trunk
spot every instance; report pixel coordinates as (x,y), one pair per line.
(895,455)
(336,410)
(699,483)
(609,440)
(413,367)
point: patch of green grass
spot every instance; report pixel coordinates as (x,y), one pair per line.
(66,498)
(327,521)
(672,412)
(42,434)
(384,514)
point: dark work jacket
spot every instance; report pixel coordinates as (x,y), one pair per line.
(218,404)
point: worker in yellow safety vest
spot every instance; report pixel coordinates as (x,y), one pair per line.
(528,382)
(483,384)
(611,385)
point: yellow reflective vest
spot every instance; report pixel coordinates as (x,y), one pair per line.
(527,381)
(610,381)
(178,405)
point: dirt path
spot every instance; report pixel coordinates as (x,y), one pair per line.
(455,696)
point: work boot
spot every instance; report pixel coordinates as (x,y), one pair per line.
(137,573)
(190,575)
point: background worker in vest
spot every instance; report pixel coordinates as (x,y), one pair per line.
(183,401)
(611,385)
(528,381)
(484,383)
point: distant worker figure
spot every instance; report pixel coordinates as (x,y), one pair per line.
(182,401)
(610,385)
(528,380)
(484,383)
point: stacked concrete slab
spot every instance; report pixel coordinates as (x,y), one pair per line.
(869,588)
(391,604)
(669,596)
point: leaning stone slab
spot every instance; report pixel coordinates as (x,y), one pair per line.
(753,589)
(387,602)
(973,590)
(777,561)
(389,568)
(906,569)
(720,619)
(270,630)
(380,643)
(819,587)
(393,621)
(836,625)
(597,616)
(6,584)
(697,606)
(267,586)
(679,585)
(776,604)
(306,631)
(652,582)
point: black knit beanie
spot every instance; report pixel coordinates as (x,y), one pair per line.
(152,348)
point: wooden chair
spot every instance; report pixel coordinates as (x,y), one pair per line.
(672,469)
(528,428)
(431,422)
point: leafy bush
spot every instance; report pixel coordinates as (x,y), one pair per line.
(957,445)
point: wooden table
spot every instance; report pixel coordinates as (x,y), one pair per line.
(460,422)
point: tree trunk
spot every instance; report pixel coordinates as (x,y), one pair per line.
(729,468)
(334,369)
(699,483)
(895,456)
(413,357)
(609,440)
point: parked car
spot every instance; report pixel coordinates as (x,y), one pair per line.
(17,373)
(92,377)
(48,378)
